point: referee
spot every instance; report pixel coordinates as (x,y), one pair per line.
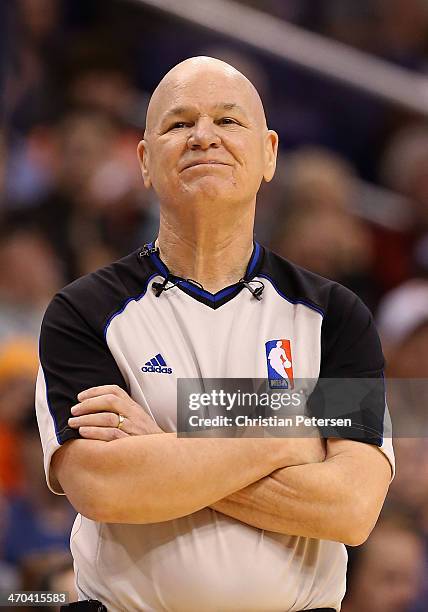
(184,524)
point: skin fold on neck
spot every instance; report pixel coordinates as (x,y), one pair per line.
(214,255)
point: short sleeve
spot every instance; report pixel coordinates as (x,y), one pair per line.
(351,383)
(73,356)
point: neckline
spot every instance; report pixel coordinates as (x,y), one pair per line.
(214,300)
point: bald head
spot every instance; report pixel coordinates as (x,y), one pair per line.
(210,74)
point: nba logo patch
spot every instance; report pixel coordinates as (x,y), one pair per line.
(279,364)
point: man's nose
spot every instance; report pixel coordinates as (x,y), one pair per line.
(204,135)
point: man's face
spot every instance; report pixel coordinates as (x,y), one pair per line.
(206,139)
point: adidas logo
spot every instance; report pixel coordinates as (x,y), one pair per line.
(157,365)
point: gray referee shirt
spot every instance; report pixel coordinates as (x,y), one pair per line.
(110,328)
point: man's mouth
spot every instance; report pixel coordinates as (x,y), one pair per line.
(205,162)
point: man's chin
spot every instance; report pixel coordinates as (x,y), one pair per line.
(209,188)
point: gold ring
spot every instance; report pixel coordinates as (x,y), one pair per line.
(121,419)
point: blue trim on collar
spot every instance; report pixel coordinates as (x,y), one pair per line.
(206,294)
(197,291)
(254,259)
(158,262)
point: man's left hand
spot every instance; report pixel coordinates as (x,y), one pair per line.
(96,416)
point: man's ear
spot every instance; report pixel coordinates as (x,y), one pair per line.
(271,152)
(143,158)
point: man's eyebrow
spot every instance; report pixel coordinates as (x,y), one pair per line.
(231,106)
(177,110)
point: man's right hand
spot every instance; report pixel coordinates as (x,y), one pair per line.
(96,416)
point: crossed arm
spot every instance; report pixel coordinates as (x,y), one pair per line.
(337,499)
(289,486)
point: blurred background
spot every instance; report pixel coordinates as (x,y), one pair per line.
(345,84)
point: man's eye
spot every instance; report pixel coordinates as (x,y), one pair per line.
(228,121)
(178,125)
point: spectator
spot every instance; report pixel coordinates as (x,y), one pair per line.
(404,168)
(38,522)
(99,76)
(9,575)
(35,60)
(49,571)
(3,154)
(403,325)
(320,232)
(387,570)
(18,369)
(95,204)
(29,277)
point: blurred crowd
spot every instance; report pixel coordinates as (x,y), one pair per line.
(350,202)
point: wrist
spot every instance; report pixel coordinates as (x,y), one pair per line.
(279,451)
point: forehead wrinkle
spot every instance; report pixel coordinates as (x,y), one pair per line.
(183,109)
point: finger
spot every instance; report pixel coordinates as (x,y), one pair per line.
(102,390)
(107,434)
(99,419)
(102,403)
